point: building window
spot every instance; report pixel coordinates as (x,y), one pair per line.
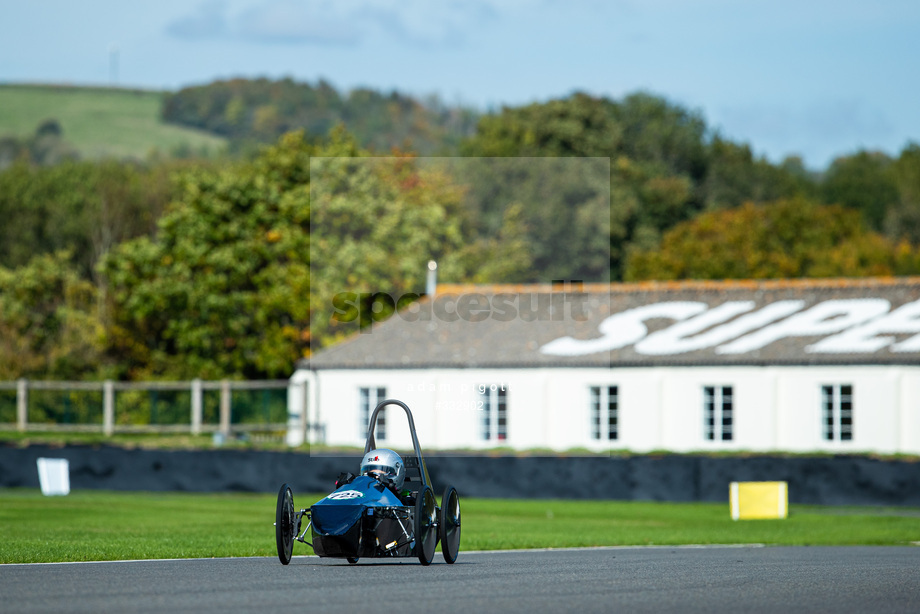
(837,412)
(368,400)
(604,413)
(717,413)
(493,402)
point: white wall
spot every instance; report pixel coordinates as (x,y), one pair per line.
(301,385)
(444,405)
(775,408)
(909,419)
(877,408)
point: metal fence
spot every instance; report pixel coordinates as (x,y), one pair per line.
(196,406)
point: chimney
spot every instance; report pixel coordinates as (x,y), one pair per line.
(431,287)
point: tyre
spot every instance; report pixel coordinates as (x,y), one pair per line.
(449,527)
(426,526)
(284,524)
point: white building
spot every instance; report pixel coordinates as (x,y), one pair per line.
(799,366)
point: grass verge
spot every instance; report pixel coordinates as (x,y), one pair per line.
(104,525)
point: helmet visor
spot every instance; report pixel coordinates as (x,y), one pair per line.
(385,469)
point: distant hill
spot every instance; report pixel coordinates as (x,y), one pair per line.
(260,110)
(101,122)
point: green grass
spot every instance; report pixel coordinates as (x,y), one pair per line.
(512,524)
(99,122)
(103,525)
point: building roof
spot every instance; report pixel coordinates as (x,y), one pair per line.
(746,322)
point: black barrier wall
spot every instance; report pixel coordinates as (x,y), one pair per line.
(838,480)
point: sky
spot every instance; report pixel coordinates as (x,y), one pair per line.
(816,78)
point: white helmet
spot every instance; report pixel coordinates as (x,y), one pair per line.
(385,463)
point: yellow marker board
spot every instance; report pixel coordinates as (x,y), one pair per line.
(756,500)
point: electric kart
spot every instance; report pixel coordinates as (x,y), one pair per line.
(370,516)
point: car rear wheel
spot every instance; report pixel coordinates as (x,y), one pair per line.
(450,524)
(426,526)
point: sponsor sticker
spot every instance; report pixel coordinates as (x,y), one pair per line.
(345,495)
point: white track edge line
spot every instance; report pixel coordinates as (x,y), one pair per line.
(313,556)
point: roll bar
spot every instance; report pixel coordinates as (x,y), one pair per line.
(371,443)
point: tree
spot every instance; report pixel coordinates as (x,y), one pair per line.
(46,147)
(902,221)
(865,182)
(657,157)
(261,110)
(734,176)
(376,223)
(49,326)
(85,208)
(565,207)
(657,132)
(786,238)
(241,275)
(222,290)
(580,125)
(557,207)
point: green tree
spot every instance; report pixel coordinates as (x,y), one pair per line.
(504,258)
(865,182)
(565,209)
(786,238)
(561,214)
(734,176)
(657,158)
(902,221)
(657,132)
(85,208)
(377,222)
(580,125)
(223,288)
(241,275)
(45,148)
(49,326)
(260,110)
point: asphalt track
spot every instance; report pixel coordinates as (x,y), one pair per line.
(665,579)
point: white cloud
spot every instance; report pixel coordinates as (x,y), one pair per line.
(331,22)
(317,22)
(208,21)
(422,22)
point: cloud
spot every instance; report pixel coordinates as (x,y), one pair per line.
(319,22)
(335,22)
(207,22)
(425,23)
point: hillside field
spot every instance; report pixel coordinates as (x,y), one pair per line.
(99,122)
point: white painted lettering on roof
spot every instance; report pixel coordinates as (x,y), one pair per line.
(865,337)
(624,328)
(822,319)
(679,338)
(861,325)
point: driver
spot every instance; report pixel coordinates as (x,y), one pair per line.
(386,466)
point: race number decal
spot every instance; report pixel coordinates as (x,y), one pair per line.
(345,494)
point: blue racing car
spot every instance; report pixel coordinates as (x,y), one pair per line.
(387,510)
